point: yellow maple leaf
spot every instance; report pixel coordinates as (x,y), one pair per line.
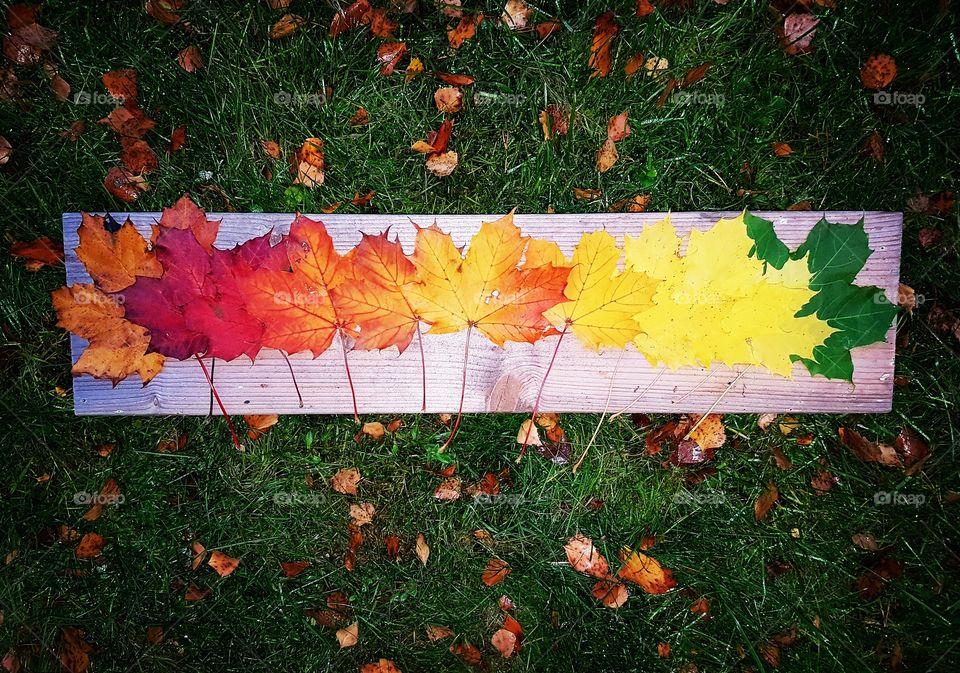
(730,307)
(487,288)
(601,300)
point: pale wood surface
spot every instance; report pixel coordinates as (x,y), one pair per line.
(498,379)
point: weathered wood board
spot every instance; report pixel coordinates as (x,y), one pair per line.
(500,379)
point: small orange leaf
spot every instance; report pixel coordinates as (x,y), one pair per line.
(495,572)
(223,564)
(878,71)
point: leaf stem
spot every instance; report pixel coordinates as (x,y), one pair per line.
(223,409)
(423,366)
(463,392)
(346,365)
(292,376)
(536,403)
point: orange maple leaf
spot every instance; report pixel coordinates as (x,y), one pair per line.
(117,346)
(486,289)
(115,259)
(185,214)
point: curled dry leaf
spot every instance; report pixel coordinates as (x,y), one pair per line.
(223,564)
(109,494)
(124,185)
(618,127)
(178,138)
(307,164)
(865,541)
(414,68)
(454,78)
(349,635)
(601,48)
(345,481)
(199,553)
(587,194)
(766,501)
(781,149)
(360,118)
(505,642)
(878,71)
(547,28)
(710,433)
(555,121)
(867,451)
(195,593)
(422,549)
(270,148)
(467,653)
(655,66)
(607,156)
(495,572)
(634,204)
(74,652)
(584,557)
(443,164)
(373,429)
(528,433)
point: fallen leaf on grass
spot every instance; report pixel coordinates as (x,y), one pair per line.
(867,451)
(468,654)
(912,449)
(38,253)
(611,593)
(109,494)
(223,564)
(634,204)
(124,185)
(781,149)
(508,639)
(345,481)
(270,148)
(618,127)
(822,481)
(353,16)
(199,553)
(878,71)
(655,66)
(436,632)
(647,573)
(547,28)
(373,429)
(74,652)
(448,99)
(392,543)
(865,541)
(516,13)
(710,433)
(362,514)
(189,59)
(528,433)
(360,118)
(195,593)
(607,156)
(601,48)
(285,25)
(382,666)
(389,55)
(495,572)
(584,557)
(307,164)
(349,635)
(90,546)
(259,425)
(454,79)
(293,568)
(766,501)
(797,32)
(701,606)
(414,68)
(663,650)
(874,581)
(466,29)
(555,121)
(587,194)
(448,490)
(164,11)
(178,138)
(422,549)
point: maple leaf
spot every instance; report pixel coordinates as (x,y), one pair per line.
(731,308)
(114,259)
(376,300)
(39,252)
(601,301)
(117,347)
(486,288)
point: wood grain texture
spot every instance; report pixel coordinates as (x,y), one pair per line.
(500,379)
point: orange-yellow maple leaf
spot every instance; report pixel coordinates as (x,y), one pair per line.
(601,300)
(296,307)
(486,288)
(374,299)
(115,259)
(117,346)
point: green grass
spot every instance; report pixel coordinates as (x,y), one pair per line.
(687,158)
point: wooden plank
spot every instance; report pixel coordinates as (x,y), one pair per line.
(500,379)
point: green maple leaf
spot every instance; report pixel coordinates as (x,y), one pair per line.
(767,246)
